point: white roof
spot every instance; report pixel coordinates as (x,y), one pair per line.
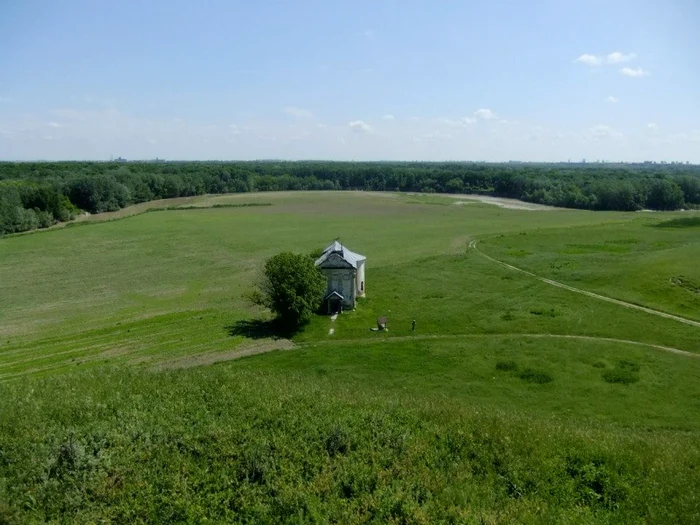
(351,258)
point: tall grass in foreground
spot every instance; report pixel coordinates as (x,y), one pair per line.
(230,445)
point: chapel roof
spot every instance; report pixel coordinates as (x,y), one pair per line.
(352,258)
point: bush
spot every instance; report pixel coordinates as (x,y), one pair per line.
(535,376)
(598,364)
(508,316)
(506,366)
(544,312)
(621,376)
(628,365)
(337,441)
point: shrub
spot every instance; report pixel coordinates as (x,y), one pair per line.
(506,366)
(256,464)
(337,441)
(547,313)
(599,364)
(535,376)
(620,375)
(628,365)
(508,316)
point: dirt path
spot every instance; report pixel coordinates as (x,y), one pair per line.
(618,302)
(437,337)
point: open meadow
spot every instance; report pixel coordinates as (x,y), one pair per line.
(138,385)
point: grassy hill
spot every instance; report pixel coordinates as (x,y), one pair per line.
(514,400)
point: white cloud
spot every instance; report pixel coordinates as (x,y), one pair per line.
(321,126)
(616,57)
(368,33)
(485,114)
(388,117)
(297,112)
(612,100)
(97,134)
(54,125)
(359,126)
(604,132)
(634,73)
(589,60)
(652,126)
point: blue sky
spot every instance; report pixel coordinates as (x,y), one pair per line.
(385,79)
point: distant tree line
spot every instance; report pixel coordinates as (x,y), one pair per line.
(36,195)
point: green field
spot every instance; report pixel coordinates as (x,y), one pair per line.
(514,401)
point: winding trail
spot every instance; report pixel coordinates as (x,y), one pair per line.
(618,302)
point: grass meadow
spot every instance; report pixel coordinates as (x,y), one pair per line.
(137,385)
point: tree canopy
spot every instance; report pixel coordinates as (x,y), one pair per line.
(291,287)
(35,195)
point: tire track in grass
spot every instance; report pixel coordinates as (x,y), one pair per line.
(594,295)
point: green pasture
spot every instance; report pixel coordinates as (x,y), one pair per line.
(514,401)
(651,261)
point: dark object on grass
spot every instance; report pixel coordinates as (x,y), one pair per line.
(413,326)
(535,376)
(506,366)
(628,365)
(621,376)
(382,323)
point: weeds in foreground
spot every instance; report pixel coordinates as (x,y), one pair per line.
(225,445)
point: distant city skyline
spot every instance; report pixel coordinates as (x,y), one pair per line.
(497,81)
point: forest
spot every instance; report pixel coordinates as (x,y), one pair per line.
(37,195)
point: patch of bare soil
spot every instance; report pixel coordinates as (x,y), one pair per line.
(511,204)
(210,358)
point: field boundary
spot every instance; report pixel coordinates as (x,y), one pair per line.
(594,295)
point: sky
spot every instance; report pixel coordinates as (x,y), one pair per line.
(496,80)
